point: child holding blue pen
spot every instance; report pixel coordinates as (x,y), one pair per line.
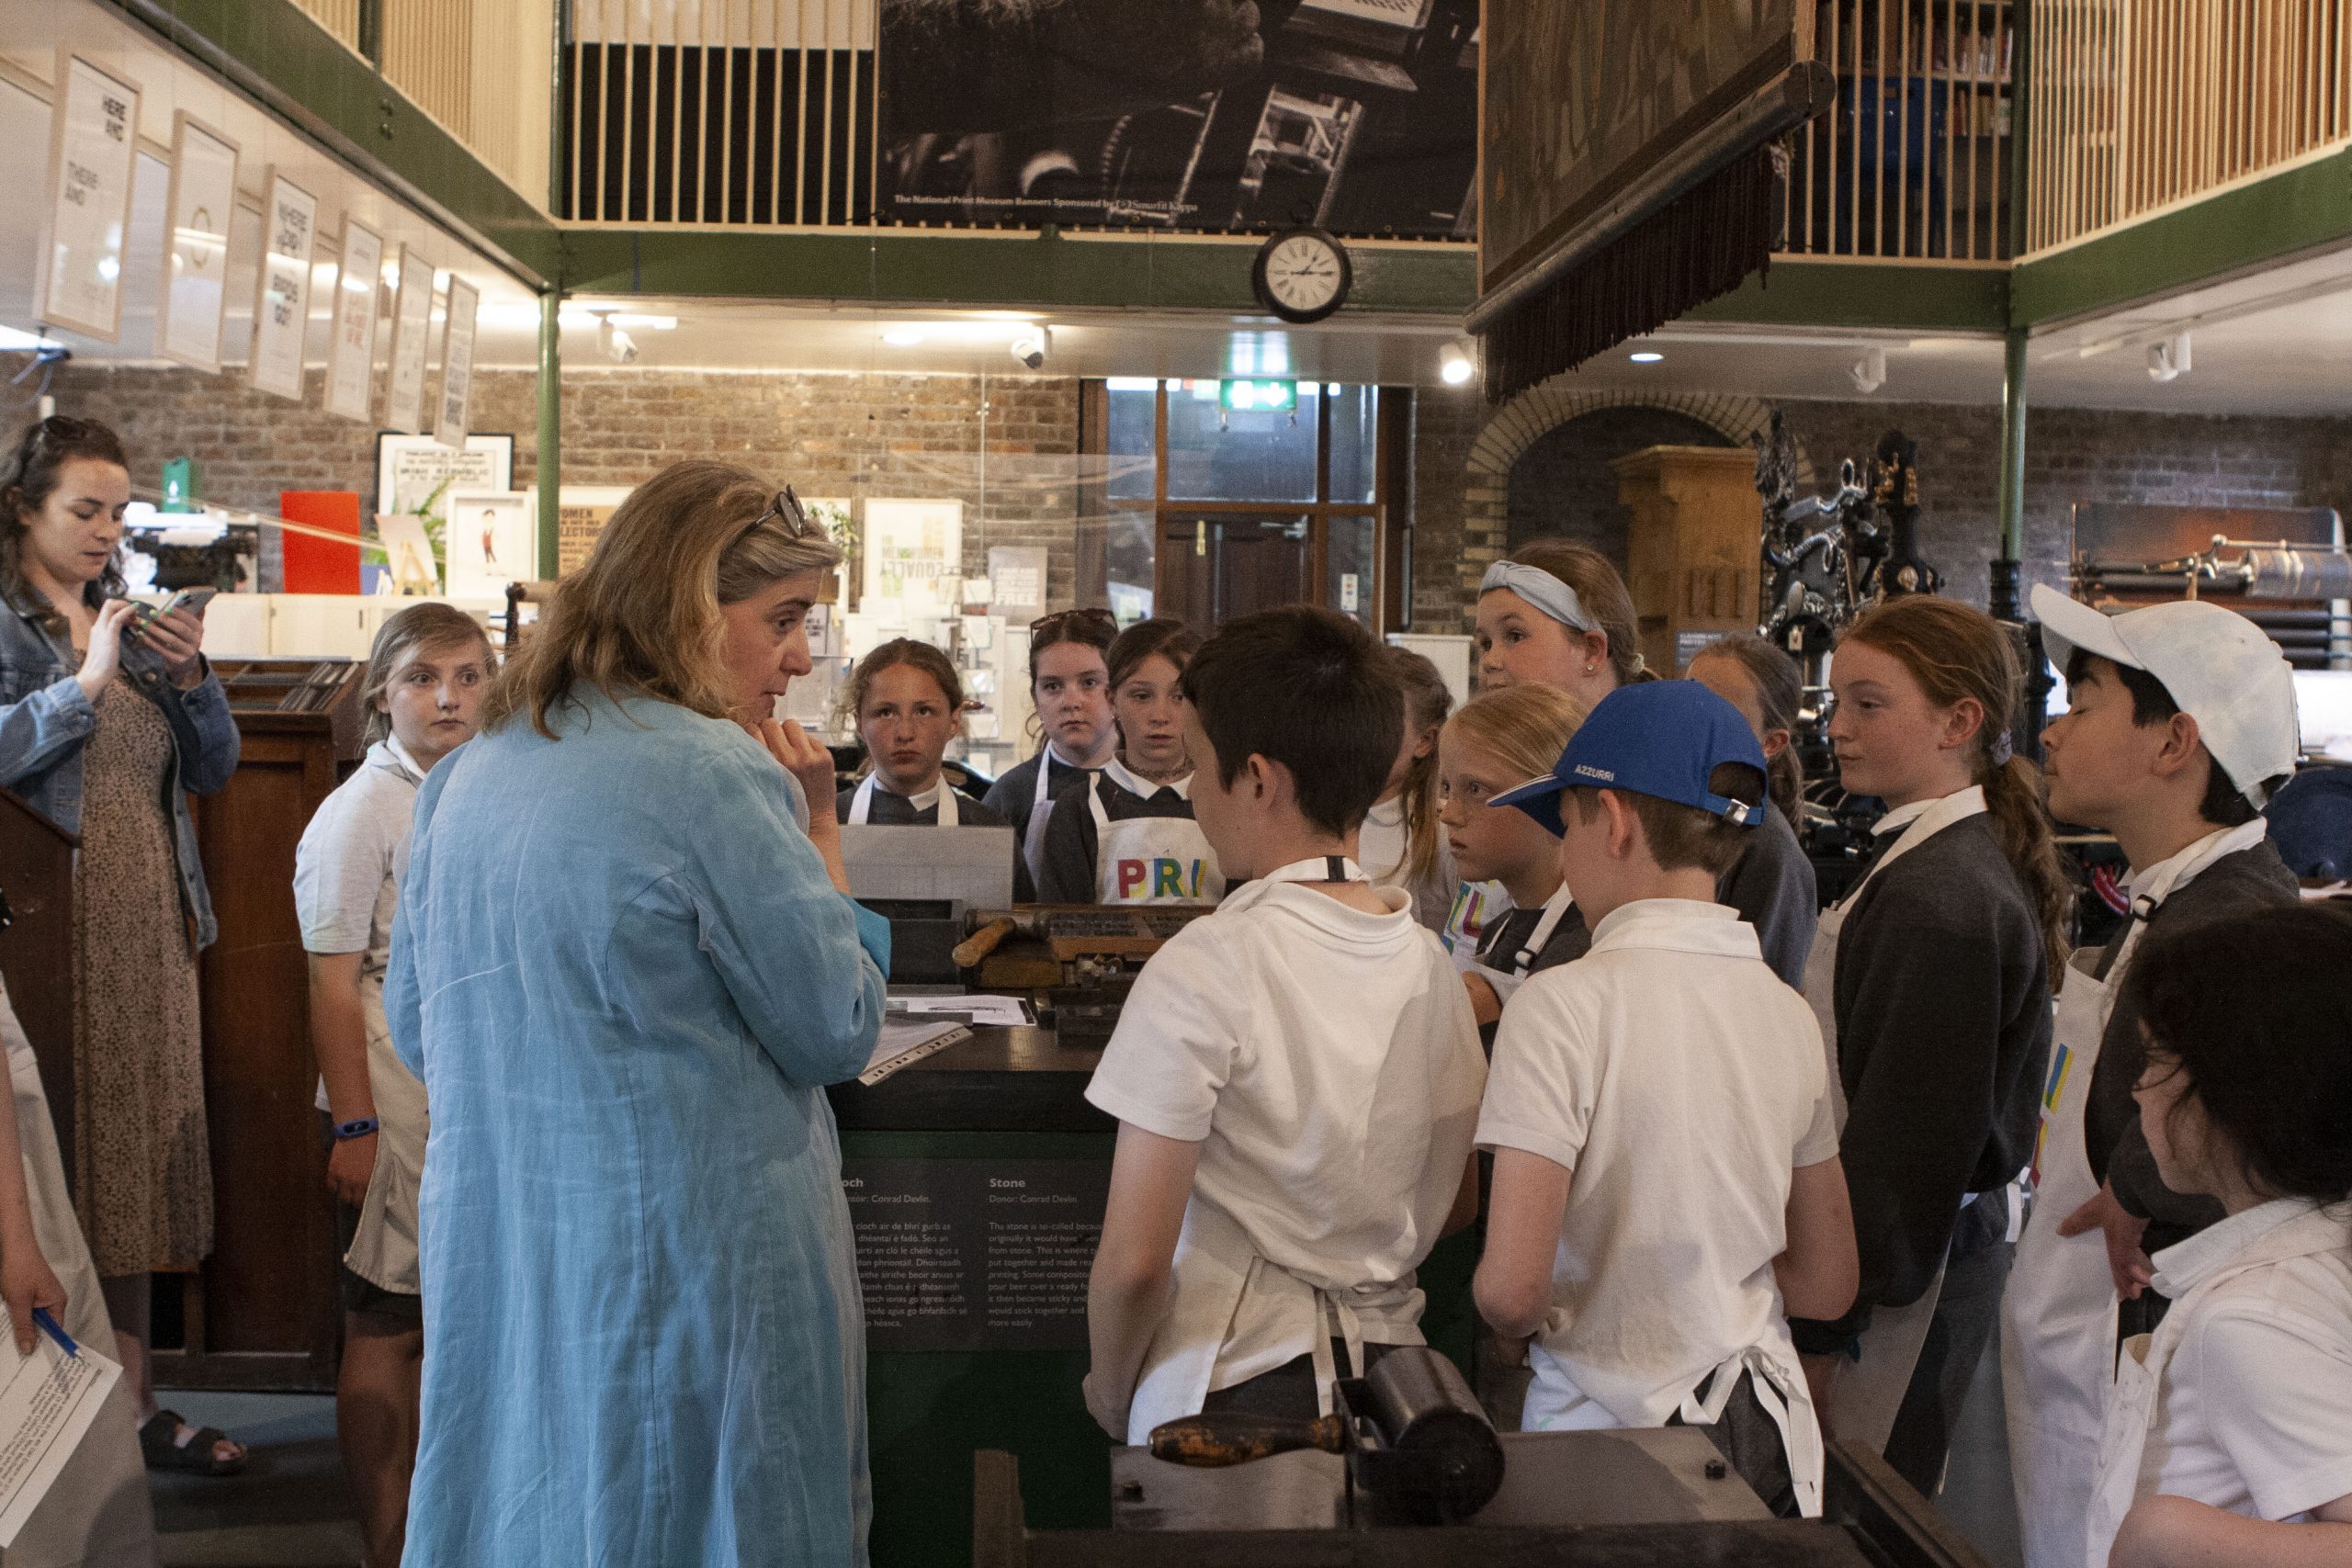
(98,1510)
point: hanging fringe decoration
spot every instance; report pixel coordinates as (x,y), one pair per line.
(1702,245)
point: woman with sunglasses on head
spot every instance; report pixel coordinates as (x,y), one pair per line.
(1127,837)
(110,717)
(1069,686)
(625,965)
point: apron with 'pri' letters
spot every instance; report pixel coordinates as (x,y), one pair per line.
(1150,860)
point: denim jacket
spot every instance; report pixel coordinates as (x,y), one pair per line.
(45,719)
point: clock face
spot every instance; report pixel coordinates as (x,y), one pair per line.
(1304,275)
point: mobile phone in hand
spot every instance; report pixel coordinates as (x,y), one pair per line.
(192,600)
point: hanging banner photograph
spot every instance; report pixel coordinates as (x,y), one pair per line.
(1206,116)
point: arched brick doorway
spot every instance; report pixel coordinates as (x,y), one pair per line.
(1528,418)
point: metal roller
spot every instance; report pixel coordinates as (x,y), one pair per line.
(2275,573)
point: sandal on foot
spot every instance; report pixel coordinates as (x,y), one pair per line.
(197,1453)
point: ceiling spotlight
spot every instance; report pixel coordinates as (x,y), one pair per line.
(2169,359)
(1646,356)
(1455,365)
(618,345)
(1869,371)
(902,337)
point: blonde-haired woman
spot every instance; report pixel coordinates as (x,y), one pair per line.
(625,965)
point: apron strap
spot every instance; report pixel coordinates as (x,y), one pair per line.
(1334,1319)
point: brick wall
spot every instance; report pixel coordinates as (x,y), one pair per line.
(920,436)
(2072,456)
(828,434)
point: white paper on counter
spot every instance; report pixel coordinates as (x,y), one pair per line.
(1009,1012)
(47,1401)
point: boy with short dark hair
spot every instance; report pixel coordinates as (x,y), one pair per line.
(1667,1187)
(2181,719)
(1296,1076)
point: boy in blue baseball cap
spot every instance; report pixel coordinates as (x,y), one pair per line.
(1667,1187)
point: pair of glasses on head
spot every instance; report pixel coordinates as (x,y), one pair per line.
(785,509)
(1067,621)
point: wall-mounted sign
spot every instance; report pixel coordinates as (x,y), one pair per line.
(411,322)
(289,224)
(914,553)
(194,295)
(415,476)
(351,357)
(457,363)
(582,512)
(92,138)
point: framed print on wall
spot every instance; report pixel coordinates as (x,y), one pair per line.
(282,289)
(92,146)
(412,323)
(351,355)
(194,301)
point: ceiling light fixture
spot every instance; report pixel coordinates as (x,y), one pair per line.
(1455,365)
(2169,360)
(902,337)
(1645,356)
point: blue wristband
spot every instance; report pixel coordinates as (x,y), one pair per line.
(346,1131)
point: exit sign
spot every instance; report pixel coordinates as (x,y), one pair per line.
(1282,396)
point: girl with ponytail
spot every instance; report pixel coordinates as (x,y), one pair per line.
(1931,981)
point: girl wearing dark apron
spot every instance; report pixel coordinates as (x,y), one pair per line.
(1931,982)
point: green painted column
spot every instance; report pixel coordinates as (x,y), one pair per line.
(550,429)
(2012,472)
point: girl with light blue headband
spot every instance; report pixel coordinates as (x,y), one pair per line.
(1556,614)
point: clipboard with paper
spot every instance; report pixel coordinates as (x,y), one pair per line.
(47,1403)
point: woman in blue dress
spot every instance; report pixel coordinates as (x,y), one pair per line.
(626,965)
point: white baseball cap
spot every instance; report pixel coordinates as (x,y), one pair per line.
(2219,668)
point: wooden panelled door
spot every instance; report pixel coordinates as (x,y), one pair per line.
(1217,564)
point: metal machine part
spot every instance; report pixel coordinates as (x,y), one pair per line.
(1615,1499)
(2278,569)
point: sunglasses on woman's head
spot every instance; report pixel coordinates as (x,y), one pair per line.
(785,509)
(1063,620)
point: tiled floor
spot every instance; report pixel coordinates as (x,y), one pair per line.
(287,1509)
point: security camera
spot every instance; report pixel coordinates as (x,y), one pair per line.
(1031,348)
(2169,359)
(1869,371)
(618,346)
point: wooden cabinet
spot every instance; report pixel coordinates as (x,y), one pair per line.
(1693,555)
(264,1313)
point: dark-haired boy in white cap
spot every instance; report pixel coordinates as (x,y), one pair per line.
(2181,719)
(1667,1185)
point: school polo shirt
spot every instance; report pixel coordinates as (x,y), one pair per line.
(1326,1061)
(2255,1415)
(1679,1081)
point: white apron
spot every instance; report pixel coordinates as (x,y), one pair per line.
(2123,1474)
(1554,1403)
(1151,859)
(97,1512)
(383,1248)
(1041,811)
(1867,1394)
(1217,1268)
(1508,981)
(861,803)
(2058,1312)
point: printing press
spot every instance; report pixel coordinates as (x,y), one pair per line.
(1407,1470)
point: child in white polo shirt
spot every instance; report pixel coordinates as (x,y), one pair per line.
(1296,1076)
(1666,1186)
(2241,1399)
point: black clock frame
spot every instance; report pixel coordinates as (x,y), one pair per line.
(1266,294)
